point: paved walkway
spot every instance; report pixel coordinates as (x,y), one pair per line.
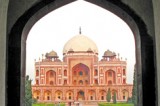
(85,105)
(81,104)
(90,105)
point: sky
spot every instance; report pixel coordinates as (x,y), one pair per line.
(106,29)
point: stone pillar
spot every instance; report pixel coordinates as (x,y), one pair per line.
(120,94)
(53,94)
(42,94)
(85,92)
(156,4)
(97,92)
(3,22)
(75,94)
(64,94)
(71,77)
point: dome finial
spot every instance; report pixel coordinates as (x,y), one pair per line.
(80,30)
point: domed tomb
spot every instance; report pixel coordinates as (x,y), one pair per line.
(80,43)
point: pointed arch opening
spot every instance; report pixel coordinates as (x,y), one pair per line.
(110,77)
(50,77)
(80,95)
(81,74)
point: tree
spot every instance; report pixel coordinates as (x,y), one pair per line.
(129,100)
(134,90)
(28,92)
(114,98)
(109,95)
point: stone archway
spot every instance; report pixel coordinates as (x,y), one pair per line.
(47,95)
(69,95)
(125,95)
(51,77)
(102,95)
(92,95)
(110,77)
(80,74)
(36,94)
(58,95)
(80,95)
(17,41)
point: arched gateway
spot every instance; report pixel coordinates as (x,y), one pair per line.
(80,76)
(80,96)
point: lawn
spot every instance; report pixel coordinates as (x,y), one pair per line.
(117,104)
(46,104)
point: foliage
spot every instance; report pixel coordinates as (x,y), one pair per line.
(117,104)
(28,92)
(134,90)
(34,100)
(114,98)
(129,100)
(109,95)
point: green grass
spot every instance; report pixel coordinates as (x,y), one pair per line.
(117,104)
(99,104)
(38,104)
(46,104)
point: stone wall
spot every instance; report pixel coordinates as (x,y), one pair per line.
(156,5)
(3,25)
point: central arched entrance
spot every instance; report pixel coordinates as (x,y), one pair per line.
(80,95)
(80,74)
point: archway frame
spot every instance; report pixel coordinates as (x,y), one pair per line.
(16,50)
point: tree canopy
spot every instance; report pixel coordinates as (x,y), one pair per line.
(134,90)
(28,92)
(109,95)
(114,98)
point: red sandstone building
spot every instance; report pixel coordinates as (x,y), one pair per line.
(80,76)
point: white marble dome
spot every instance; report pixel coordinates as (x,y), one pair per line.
(80,43)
